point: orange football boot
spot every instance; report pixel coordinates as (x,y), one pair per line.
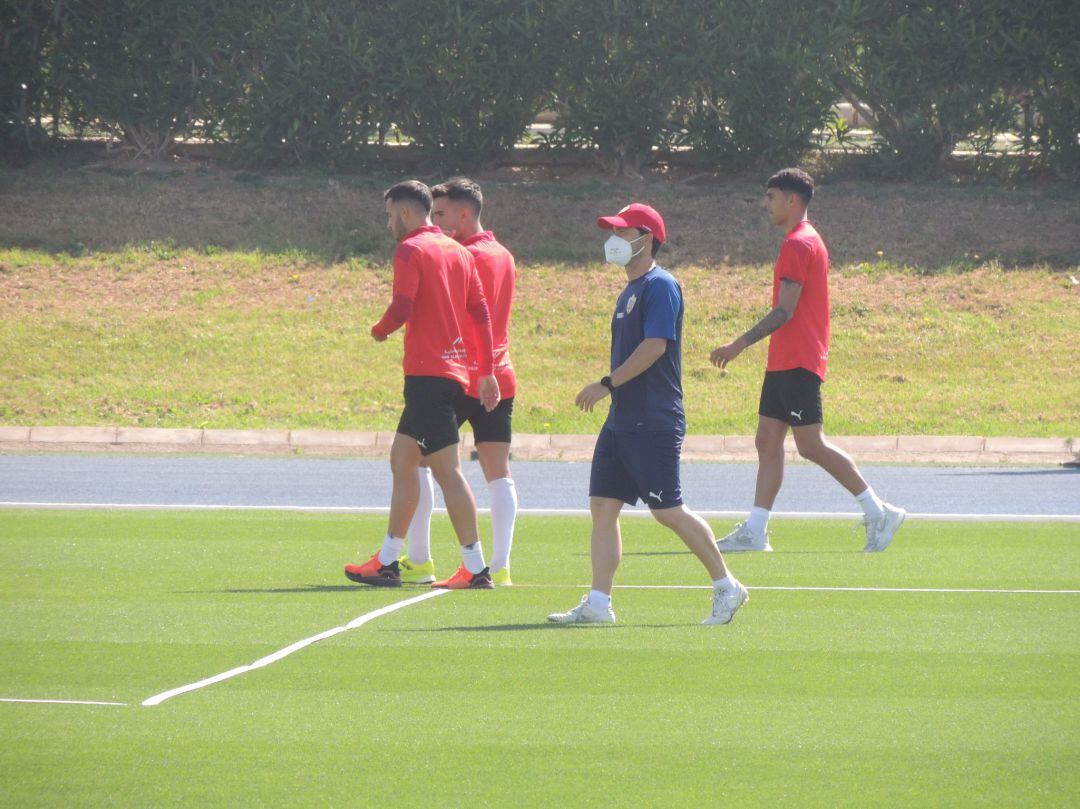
(375,573)
(464,580)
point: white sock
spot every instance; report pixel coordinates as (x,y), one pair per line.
(473,557)
(599,600)
(726,584)
(504,504)
(871,504)
(758,521)
(391,549)
(420,527)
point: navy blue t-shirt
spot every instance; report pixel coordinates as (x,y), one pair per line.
(650,306)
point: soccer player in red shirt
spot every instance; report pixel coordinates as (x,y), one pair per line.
(798,353)
(437,292)
(457,205)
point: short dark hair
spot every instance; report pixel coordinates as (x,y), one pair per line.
(461,189)
(793,181)
(410,191)
(655,244)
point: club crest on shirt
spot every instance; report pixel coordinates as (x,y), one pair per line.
(630,304)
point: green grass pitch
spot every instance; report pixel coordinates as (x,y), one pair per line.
(810,698)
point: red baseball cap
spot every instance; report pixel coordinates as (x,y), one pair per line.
(637,215)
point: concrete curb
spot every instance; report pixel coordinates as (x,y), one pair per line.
(526,446)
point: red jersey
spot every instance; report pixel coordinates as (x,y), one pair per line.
(802,342)
(438,294)
(498,274)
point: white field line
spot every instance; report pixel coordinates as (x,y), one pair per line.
(157,699)
(812,589)
(538,512)
(61,701)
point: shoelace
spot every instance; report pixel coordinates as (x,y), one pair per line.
(865,522)
(719,604)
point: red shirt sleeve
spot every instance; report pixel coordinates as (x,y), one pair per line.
(399,310)
(794,261)
(406,282)
(477,307)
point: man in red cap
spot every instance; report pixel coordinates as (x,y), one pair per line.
(638,451)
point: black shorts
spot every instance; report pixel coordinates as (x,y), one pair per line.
(628,466)
(793,396)
(493,426)
(430,415)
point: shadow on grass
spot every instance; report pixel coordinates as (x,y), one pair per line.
(308,588)
(643,553)
(735,554)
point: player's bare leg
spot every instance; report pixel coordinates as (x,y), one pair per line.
(461,506)
(813,446)
(606,552)
(769,442)
(382,569)
(752,535)
(460,503)
(696,535)
(494,457)
(405,458)
(881,520)
(606,543)
(728,593)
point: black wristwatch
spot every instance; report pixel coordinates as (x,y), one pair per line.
(606,382)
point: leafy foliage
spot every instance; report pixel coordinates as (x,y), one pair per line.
(740,81)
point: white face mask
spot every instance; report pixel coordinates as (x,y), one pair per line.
(619,251)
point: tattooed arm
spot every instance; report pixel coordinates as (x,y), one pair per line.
(787,300)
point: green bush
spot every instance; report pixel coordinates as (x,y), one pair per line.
(762,87)
(739,81)
(136,69)
(307,81)
(475,74)
(1033,49)
(917,71)
(621,68)
(26,27)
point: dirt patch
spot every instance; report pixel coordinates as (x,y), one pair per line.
(193,282)
(711,222)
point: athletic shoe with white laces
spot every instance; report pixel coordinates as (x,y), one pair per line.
(879,533)
(743,539)
(584,613)
(726,603)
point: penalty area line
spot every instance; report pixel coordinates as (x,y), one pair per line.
(262,662)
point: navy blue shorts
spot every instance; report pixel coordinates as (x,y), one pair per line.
(633,466)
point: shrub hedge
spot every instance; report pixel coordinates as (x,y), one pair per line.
(737,81)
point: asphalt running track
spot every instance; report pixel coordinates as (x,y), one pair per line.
(334,483)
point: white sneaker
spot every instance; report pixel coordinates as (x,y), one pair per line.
(725,604)
(584,613)
(879,533)
(743,539)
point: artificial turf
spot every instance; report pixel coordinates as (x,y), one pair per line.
(810,698)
